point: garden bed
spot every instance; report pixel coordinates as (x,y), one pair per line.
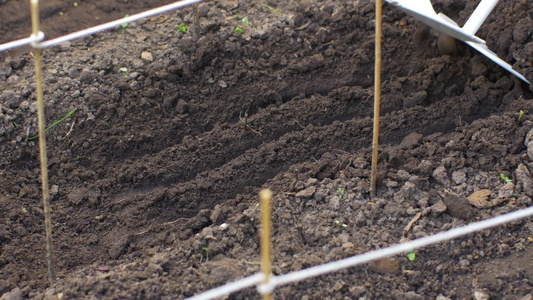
(154,178)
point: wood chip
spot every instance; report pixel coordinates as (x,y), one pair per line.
(304,26)
(480,199)
(412,222)
(348,245)
(147,56)
(384,266)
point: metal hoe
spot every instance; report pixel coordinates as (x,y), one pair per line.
(423,11)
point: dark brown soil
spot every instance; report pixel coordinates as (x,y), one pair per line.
(60,17)
(155,177)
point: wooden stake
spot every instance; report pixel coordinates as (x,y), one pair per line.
(196,30)
(377,101)
(42,140)
(266,246)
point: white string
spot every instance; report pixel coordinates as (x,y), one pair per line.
(22,42)
(371,256)
(39,37)
(229,288)
(102,27)
(116,23)
(402,248)
(267,288)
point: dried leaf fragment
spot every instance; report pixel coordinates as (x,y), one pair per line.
(480,199)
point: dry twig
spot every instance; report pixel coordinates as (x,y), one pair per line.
(245,124)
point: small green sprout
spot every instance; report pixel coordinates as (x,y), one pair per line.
(206,249)
(125,24)
(55,123)
(411,255)
(182,28)
(245,22)
(340,191)
(340,223)
(505,178)
(14,124)
(520,116)
(124,70)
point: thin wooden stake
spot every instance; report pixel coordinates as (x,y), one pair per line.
(377,101)
(42,140)
(196,30)
(266,246)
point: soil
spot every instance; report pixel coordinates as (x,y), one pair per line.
(154,178)
(60,17)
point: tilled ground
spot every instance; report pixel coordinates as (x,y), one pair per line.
(155,176)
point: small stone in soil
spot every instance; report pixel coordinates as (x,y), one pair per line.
(408,296)
(307,193)
(441,176)
(524,181)
(411,140)
(14,294)
(481,295)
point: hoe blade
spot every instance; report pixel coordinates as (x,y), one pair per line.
(423,11)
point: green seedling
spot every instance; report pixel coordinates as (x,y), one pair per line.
(245,22)
(125,24)
(14,124)
(340,224)
(55,123)
(340,191)
(206,249)
(272,9)
(505,178)
(182,28)
(124,70)
(411,255)
(520,116)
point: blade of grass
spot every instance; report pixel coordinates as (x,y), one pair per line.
(273,10)
(55,123)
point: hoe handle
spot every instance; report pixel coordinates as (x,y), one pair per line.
(479,16)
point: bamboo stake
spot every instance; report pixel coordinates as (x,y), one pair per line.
(196,30)
(377,101)
(42,140)
(266,247)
